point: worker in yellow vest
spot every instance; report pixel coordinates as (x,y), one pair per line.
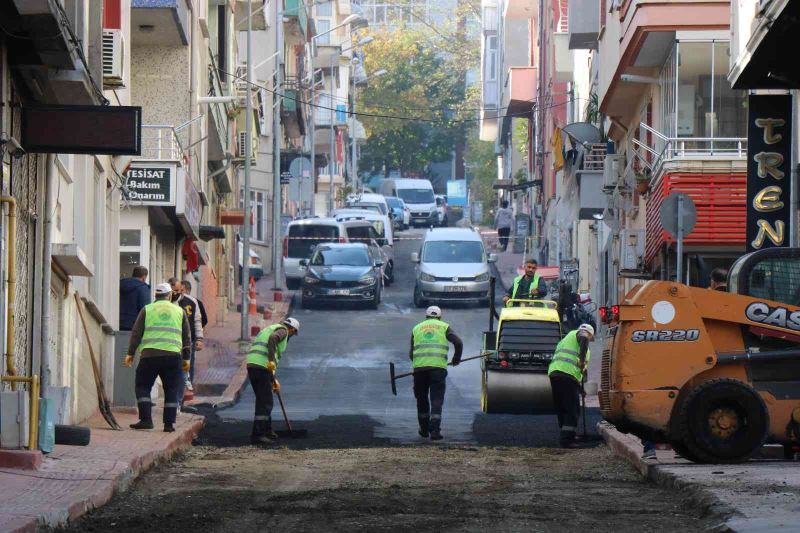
(429,347)
(527,287)
(262,362)
(163,336)
(567,371)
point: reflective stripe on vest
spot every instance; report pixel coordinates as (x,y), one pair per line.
(566,358)
(260,347)
(430,344)
(533,286)
(163,327)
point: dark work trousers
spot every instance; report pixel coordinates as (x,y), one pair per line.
(261,380)
(429,385)
(503,233)
(169,369)
(567,401)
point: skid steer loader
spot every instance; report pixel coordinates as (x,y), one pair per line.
(715,374)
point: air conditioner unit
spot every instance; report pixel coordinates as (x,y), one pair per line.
(612,172)
(241,148)
(113,58)
(632,243)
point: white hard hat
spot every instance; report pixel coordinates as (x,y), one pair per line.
(433,312)
(293,323)
(587,328)
(163,288)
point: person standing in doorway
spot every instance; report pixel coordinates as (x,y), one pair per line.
(503,221)
(134,294)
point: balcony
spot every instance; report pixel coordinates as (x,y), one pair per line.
(584,24)
(219,135)
(292,108)
(295,12)
(159,22)
(521,9)
(521,90)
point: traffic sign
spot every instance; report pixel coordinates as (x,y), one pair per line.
(286,178)
(669,214)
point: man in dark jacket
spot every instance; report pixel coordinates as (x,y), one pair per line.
(134,294)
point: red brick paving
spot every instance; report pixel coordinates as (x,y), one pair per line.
(74,479)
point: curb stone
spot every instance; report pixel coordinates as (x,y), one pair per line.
(709,504)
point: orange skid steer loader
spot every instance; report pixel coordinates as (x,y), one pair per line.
(715,374)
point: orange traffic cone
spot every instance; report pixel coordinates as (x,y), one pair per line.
(252,308)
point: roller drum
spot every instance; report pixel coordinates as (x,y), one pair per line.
(521,393)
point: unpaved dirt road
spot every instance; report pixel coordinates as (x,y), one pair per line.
(409,488)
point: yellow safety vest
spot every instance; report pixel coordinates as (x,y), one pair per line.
(260,347)
(566,358)
(430,344)
(163,327)
(533,286)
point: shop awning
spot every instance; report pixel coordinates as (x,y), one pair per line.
(208,233)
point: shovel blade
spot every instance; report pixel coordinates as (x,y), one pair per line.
(392,378)
(294,434)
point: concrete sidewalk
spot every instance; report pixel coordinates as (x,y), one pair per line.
(220,373)
(754,497)
(75,479)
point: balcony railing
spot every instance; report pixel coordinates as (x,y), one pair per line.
(218,111)
(170,143)
(666,149)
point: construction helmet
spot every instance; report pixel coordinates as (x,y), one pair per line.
(433,312)
(163,288)
(587,328)
(293,323)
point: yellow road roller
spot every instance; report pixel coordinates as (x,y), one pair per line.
(514,377)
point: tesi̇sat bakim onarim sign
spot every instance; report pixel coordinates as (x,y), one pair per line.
(769,149)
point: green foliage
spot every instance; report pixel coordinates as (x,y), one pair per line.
(426,70)
(482,171)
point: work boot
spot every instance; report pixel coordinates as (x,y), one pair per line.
(271,434)
(436,434)
(424,426)
(262,433)
(169,428)
(435,427)
(143,424)
(567,439)
(261,440)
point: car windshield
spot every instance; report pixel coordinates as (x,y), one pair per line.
(416,196)
(341,256)
(453,252)
(394,203)
(304,237)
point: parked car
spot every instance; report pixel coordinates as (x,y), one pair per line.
(372,229)
(418,196)
(369,199)
(302,236)
(452,266)
(402,214)
(441,209)
(345,272)
(256,266)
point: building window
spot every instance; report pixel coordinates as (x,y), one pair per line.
(491,58)
(130,237)
(697,101)
(258,229)
(325,9)
(323,26)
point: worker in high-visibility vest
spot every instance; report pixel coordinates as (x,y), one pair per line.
(262,362)
(527,287)
(163,336)
(567,370)
(429,347)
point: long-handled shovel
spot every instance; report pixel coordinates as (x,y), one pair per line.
(394,377)
(293,433)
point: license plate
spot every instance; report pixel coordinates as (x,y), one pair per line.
(455,288)
(340,292)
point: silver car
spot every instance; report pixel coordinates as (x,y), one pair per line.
(452,266)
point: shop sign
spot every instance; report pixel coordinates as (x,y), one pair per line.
(769,163)
(150,184)
(189,207)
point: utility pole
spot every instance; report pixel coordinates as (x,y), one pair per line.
(330,155)
(312,113)
(276,150)
(353,165)
(246,202)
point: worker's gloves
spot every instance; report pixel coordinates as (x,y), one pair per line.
(186,365)
(271,366)
(128,361)
(455,362)
(276,386)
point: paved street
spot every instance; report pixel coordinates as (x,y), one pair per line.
(363,467)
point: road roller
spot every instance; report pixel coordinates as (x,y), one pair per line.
(715,374)
(514,377)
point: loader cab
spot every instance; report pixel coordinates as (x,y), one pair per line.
(772,274)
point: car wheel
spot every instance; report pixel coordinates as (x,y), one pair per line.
(722,421)
(419,301)
(292,284)
(376,300)
(389,273)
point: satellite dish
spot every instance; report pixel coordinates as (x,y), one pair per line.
(583,132)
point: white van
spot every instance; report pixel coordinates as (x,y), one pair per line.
(417,195)
(369,200)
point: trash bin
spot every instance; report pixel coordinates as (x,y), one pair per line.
(522,228)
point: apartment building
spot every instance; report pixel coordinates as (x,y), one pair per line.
(63,208)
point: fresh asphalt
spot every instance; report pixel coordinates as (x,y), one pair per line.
(335,378)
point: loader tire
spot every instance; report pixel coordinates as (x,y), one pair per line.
(722,421)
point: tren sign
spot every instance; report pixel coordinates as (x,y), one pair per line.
(769,141)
